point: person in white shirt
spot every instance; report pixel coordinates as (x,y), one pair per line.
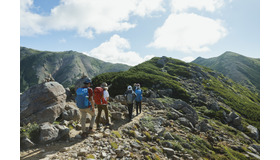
(106,95)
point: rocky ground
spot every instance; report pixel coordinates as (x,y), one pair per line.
(159,132)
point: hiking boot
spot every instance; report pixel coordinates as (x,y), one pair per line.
(97,127)
(90,131)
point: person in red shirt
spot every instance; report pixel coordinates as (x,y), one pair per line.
(90,110)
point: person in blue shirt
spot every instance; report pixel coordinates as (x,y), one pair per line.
(138,99)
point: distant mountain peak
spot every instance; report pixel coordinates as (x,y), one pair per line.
(242,69)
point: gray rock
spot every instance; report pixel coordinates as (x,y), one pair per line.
(116,115)
(167,144)
(253,149)
(236,122)
(168,136)
(135,145)
(233,115)
(214,106)
(26,143)
(97,136)
(184,121)
(121,99)
(42,103)
(165,92)
(48,133)
(256,147)
(173,115)
(254,155)
(63,131)
(169,151)
(254,133)
(120,153)
(69,94)
(188,111)
(82,152)
(162,61)
(78,136)
(103,154)
(174,157)
(203,126)
(107,133)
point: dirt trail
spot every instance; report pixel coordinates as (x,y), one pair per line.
(40,151)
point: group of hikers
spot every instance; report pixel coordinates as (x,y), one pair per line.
(88,99)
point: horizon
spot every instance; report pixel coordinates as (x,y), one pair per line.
(131,32)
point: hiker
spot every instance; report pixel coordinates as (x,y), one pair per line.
(85,103)
(134,86)
(138,99)
(129,96)
(101,101)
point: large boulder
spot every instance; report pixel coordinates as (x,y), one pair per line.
(50,132)
(71,113)
(254,133)
(187,110)
(42,103)
(121,99)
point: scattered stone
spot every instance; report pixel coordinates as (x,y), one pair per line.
(256,147)
(135,145)
(169,151)
(107,133)
(168,136)
(82,152)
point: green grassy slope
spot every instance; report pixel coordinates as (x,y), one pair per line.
(239,68)
(150,74)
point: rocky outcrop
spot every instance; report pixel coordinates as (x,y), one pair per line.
(254,133)
(50,132)
(188,112)
(71,112)
(42,103)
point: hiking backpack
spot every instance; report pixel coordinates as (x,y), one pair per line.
(82,98)
(138,95)
(129,98)
(98,95)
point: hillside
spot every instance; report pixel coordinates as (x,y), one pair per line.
(241,69)
(65,67)
(187,81)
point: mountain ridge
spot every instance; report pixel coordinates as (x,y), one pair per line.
(65,67)
(242,69)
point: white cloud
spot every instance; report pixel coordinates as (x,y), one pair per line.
(86,16)
(184,5)
(188,59)
(114,51)
(63,40)
(187,33)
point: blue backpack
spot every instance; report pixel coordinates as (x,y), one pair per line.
(139,95)
(82,98)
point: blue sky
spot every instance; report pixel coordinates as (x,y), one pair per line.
(132,31)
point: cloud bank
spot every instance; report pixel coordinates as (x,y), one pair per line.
(116,51)
(186,32)
(87,17)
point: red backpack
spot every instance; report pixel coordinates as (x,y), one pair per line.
(98,95)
